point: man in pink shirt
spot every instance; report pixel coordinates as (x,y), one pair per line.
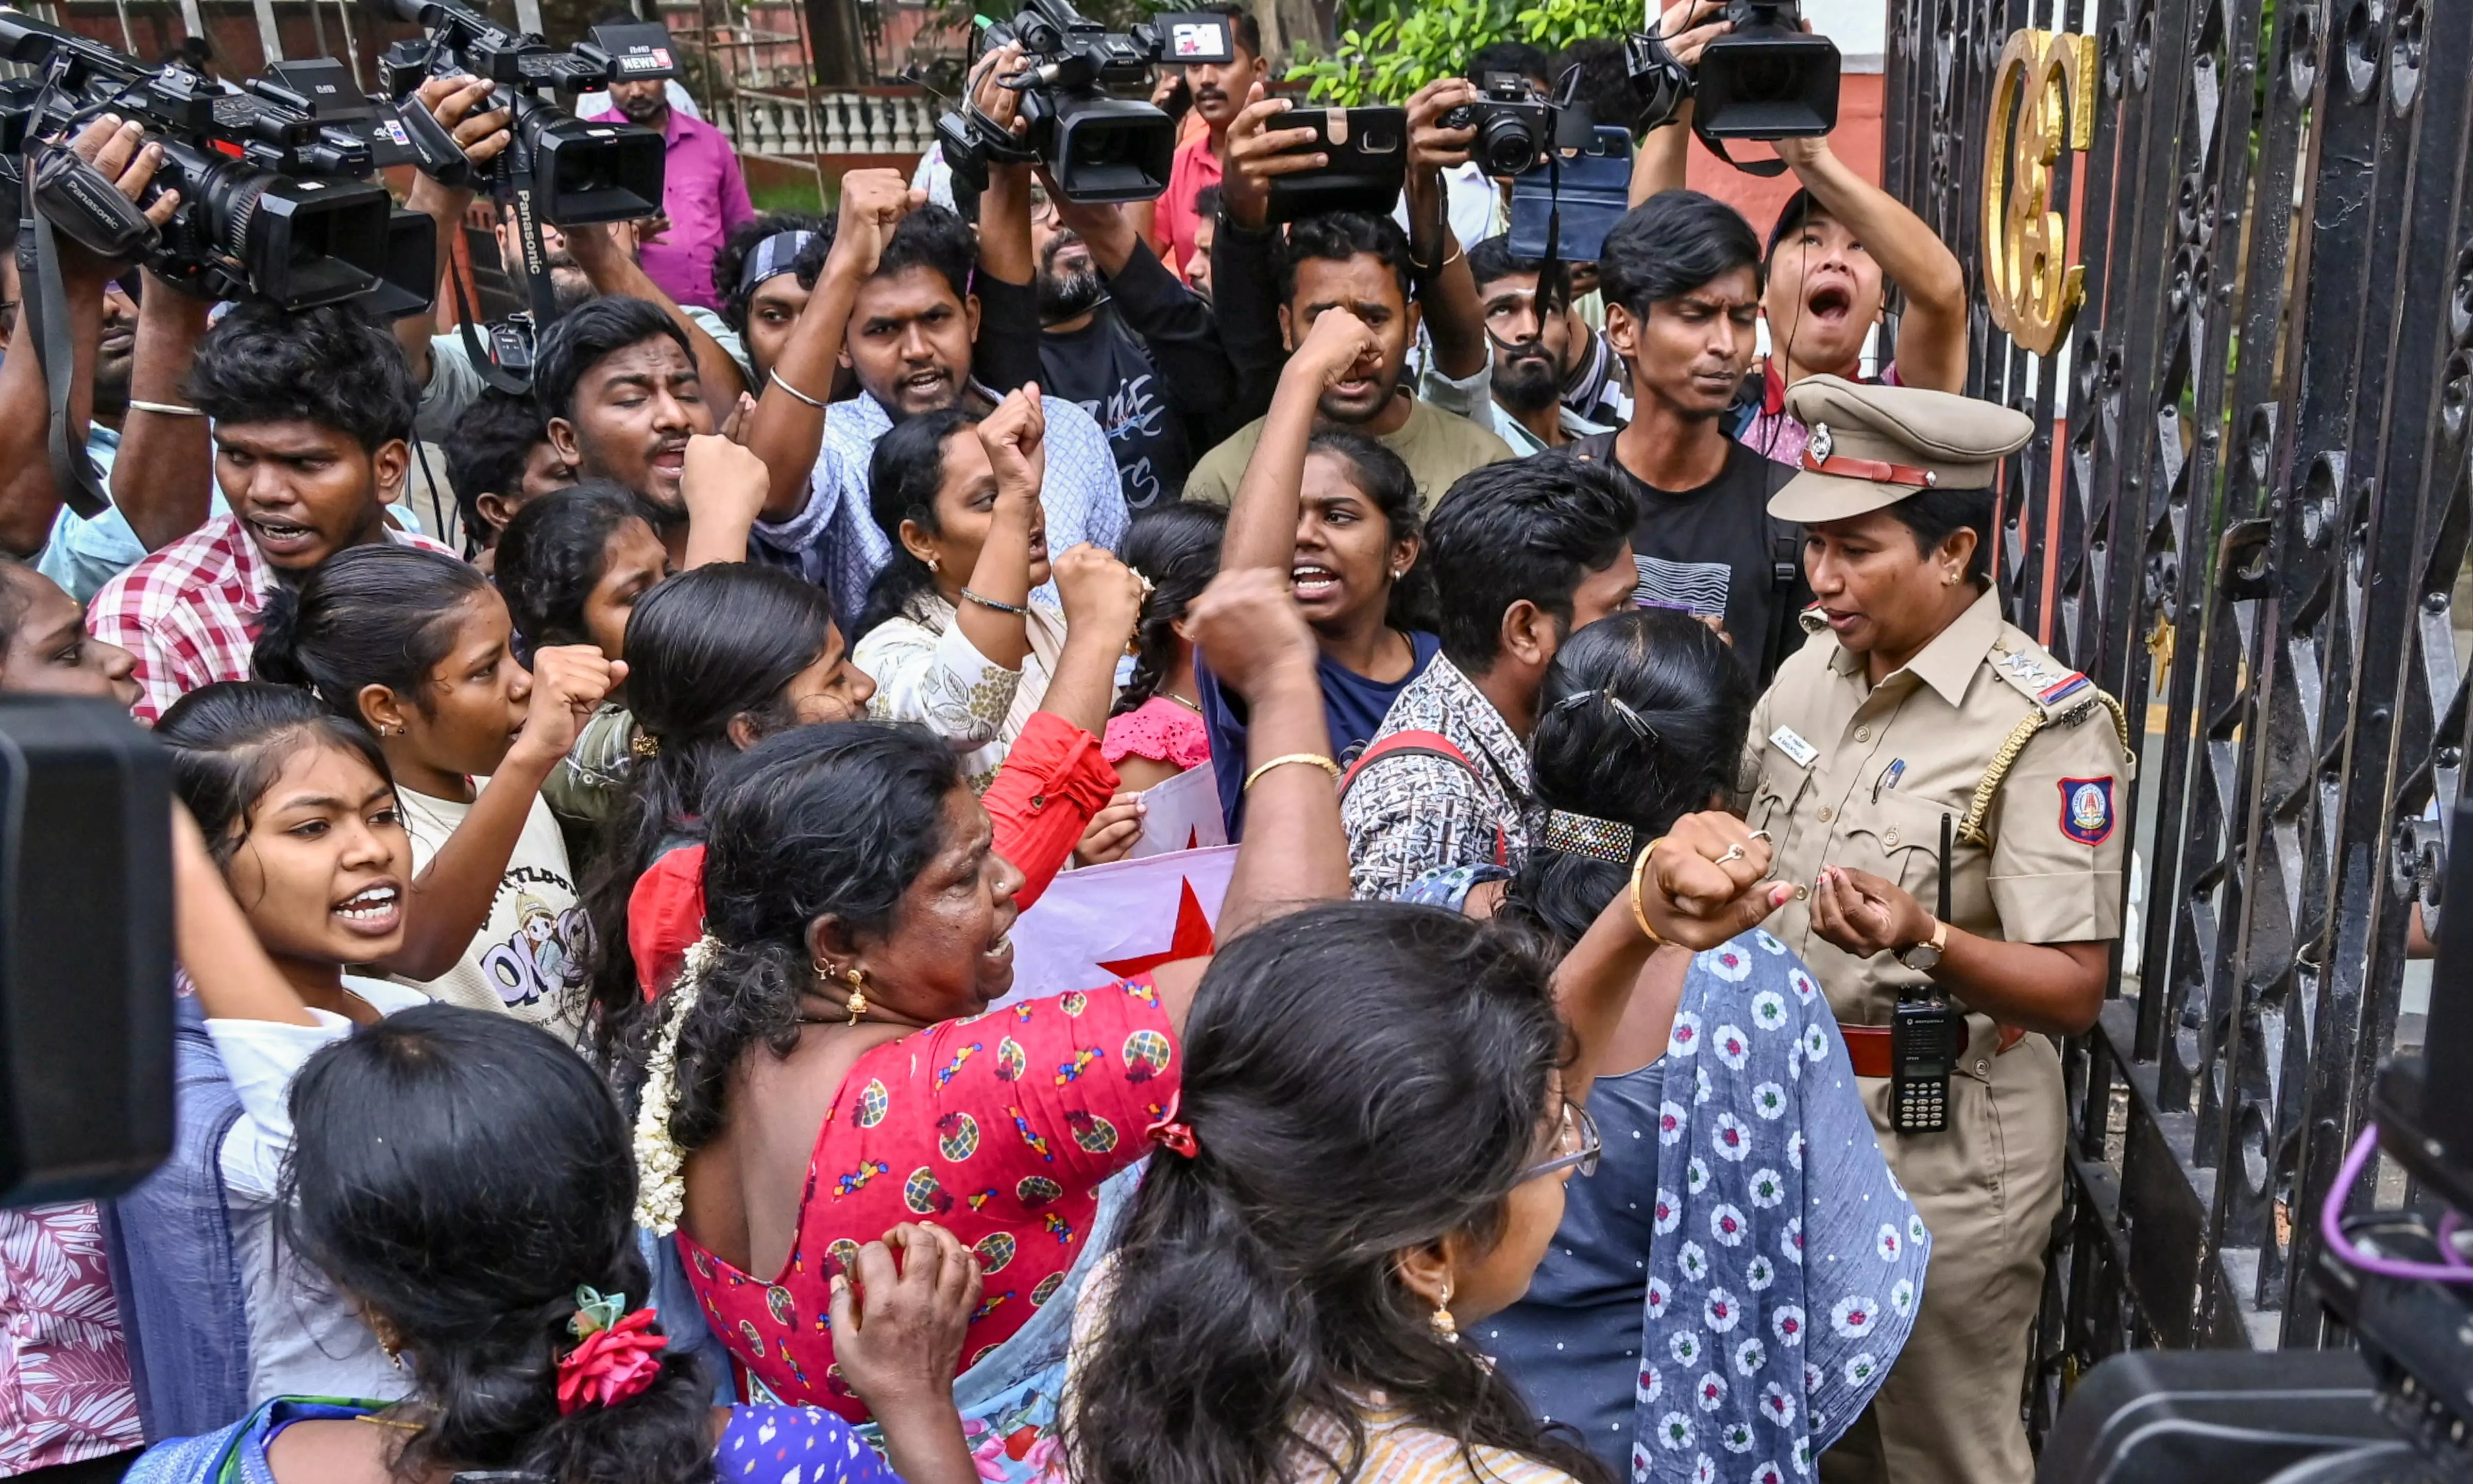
(702,194)
(1218,95)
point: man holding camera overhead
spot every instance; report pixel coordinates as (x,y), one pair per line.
(1838,244)
(1267,295)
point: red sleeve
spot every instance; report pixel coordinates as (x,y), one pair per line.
(664,914)
(1052,781)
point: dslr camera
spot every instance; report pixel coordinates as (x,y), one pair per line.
(1096,148)
(559,169)
(276,202)
(1768,78)
(1515,124)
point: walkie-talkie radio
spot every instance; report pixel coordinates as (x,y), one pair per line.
(1926,1035)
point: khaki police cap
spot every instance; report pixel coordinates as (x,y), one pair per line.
(1874,446)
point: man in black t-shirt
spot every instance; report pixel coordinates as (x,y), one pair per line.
(1682,280)
(1118,335)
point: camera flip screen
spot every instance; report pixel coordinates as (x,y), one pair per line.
(1198,37)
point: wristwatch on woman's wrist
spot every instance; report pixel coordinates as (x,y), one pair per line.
(1924,957)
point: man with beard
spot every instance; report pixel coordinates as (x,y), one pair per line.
(584,262)
(1682,280)
(1118,335)
(1530,328)
(704,196)
(135,356)
(1219,90)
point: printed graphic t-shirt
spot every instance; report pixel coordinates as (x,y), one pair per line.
(1712,552)
(532,956)
(1101,367)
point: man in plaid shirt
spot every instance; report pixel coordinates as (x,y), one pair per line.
(312,411)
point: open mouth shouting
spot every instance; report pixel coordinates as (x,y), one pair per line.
(1829,303)
(374,911)
(1314,584)
(280,537)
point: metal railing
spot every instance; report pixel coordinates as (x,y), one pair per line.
(2245,515)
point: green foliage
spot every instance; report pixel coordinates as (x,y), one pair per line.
(1388,51)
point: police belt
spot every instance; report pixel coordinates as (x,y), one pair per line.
(1867,1046)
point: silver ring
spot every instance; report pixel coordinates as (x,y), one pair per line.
(1759,834)
(1733,853)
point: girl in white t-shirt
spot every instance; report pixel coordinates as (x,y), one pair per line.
(416,646)
(299,821)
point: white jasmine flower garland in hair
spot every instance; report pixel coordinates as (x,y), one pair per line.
(660,1193)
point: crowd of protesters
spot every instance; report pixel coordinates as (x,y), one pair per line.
(598,888)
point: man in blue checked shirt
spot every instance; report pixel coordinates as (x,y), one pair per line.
(893,303)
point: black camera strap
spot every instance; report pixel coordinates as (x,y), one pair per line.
(1749,167)
(73,474)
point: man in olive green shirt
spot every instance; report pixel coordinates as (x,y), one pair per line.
(1361,262)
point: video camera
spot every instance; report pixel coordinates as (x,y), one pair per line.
(1766,79)
(1096,148)
(559,169)
(2398,1408)
(274,203)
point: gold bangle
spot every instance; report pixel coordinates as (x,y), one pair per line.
(1283,759)
(1638,869)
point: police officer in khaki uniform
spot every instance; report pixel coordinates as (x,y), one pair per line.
(1915,700)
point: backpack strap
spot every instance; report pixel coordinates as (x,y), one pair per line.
(1420,744)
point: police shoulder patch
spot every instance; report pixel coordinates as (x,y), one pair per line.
(2087,810)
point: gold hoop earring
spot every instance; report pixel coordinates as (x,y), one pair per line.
(856,1004)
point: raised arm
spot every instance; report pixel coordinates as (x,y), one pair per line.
(449,901)
(1445,288)
(1704,882)
(787,430)
(1262,518)
(30,500)
(164,479)
(1015,437)
(1663,157)
(1293,853)
(614,271)
(216,949)
(482,137)
(1931,335)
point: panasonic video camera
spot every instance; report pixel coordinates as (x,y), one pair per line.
(559,169)
(276,202)
(1096,148)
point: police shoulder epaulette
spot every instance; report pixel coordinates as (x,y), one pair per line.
(2057,695)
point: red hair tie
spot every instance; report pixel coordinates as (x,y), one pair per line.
(1171,1134)
(615,1357)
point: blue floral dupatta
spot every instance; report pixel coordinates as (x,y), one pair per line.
(1788,1262)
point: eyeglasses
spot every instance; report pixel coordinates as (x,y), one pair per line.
(1577,1146)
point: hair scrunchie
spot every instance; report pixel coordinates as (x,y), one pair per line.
(615,1356)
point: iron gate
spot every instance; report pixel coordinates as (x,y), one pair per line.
(2245,515)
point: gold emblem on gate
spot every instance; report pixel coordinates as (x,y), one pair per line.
(2043,102)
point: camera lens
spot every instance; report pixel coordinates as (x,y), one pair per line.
(1506,146)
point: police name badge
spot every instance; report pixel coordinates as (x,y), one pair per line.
(1785,740)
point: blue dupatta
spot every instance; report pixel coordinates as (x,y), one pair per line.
(1787,1262)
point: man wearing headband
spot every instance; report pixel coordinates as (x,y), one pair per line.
(757,274)
(1118,335)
